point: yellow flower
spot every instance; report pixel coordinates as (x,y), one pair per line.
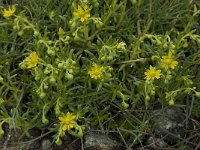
(9,12)
(32,60)
(67,121)
(96,71)
(82,12)
(152,73)
(168,61)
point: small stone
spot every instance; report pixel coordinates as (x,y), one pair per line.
(155,143)
(170,124)
(99,141)
(46,144)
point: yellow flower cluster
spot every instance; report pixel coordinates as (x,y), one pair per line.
(152,73)
(168,61)
(9,12)
(96,71)
(67,121)
(32,60)
(82,12)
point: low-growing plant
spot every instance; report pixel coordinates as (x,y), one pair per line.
(69,65)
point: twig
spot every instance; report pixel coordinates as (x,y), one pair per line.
(131,61)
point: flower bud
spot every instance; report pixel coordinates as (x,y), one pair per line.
(147,97)
(76,38)
(96,3)
(42,95)
(125,105)
(197,94)
(158,42)
(50,52)
(103,58)
(56,71)
(190,82)
(134,1)
(173,46)
(47,71)
(36,33)
(153,92)
(52,80)
(166,81)
(44,120)
(1,78)
(58,141)
(67,38)
(109,68)
(154,58)
(165,45)
(21,33)
(15,27)
(80,133)
(57,110)
(1,101)
(69,76)
(46,86)
(169,77)
(110,57)
(71,71)
(61,65)
(37,77)
(171,102)
(198,41)
(185,45)
(15,20)
(73,62)
(49,42)
(73,25)
(99,25)
(154,42)
(1,131)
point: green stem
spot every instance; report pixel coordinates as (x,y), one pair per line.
(122,14)
(150,10)
(85,31)
(10,87)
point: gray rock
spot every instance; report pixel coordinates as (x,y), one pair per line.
(10,138)
(99,141)
(169,124)
(13,140)
(46,144)
(155,143)
(151,143)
